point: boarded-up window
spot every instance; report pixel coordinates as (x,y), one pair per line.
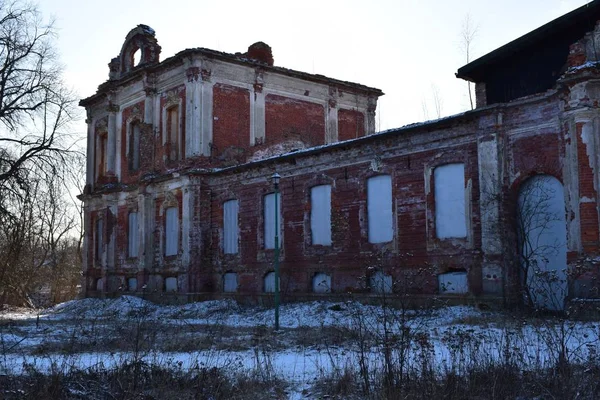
(100,284)
(134,146)
(175,139)
(102,163)
(230,282)
(381,283)
(171,231)
(450,216)
(133,235)
(320,215)
(321,283)
(269,283)
(99,242)
(379,204)
(453,282)
(171,284)
(132,284)
(230,227)
(269,217)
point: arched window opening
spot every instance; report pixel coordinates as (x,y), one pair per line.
(321,283)
(542,234)
(136,58)
(269,282)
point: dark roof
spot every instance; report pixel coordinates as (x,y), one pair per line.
(233,58)
(572,27)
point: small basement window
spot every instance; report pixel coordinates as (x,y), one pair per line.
(132,284)
(171,284)
(269,283)
(381,283)
(321,283)
(453,282)
(230,282)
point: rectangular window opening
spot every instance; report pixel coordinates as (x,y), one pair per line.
(133,234)
(450,205)
(269,220)
(230,227)
(175,141)
(99,244)
(320,215)
(171,231)
(134,146)
(379,209)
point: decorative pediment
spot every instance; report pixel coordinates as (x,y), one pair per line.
(141,38)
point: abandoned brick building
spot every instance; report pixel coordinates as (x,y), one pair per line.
(178,201)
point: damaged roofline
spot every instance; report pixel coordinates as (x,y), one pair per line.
(435,124)
(138,73)
(471,71)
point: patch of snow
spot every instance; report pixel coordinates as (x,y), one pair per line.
(587,64)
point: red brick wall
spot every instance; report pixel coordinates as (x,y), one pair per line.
(409,258)
(292,119)
(351,124)
(588,209)
(231,119)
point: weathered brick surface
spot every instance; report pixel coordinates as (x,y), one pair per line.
(290,119)
(553,133)
(351,124)
(231,126)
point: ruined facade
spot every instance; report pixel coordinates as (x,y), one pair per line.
(178,202)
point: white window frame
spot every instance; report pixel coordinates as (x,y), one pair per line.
(320,215)
(380,215)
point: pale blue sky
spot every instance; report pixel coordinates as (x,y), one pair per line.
(402,47)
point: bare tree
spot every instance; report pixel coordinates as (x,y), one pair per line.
(38,156)
(541,232)
(468,34)
(35,105)
(438,102)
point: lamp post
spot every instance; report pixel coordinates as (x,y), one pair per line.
(276,177)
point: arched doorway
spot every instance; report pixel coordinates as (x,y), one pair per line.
(542,233)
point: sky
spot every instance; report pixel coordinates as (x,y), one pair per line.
(410,49)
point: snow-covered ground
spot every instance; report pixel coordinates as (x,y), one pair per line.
(315,338)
